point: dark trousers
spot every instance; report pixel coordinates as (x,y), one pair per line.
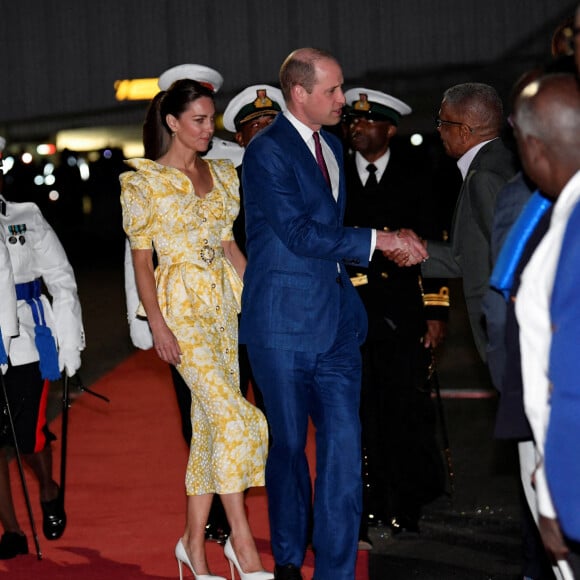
(405,468)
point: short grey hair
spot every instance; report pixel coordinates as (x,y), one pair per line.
(480,102)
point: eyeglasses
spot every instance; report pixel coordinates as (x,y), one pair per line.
(439,122)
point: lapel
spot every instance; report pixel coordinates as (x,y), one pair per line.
(306,163)
(473,166)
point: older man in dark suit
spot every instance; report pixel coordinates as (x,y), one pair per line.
(470,122)
(302,319)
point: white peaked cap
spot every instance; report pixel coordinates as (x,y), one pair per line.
(196,72)
(247,105)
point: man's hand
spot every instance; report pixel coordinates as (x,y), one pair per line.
(552,538)
(435,335)
(404,247)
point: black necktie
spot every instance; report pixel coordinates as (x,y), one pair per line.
(320,157)
(372,178)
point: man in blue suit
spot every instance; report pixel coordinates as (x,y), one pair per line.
(303,321)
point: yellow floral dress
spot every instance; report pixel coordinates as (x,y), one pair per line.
(199,294)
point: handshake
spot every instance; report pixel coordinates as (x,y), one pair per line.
(404,247)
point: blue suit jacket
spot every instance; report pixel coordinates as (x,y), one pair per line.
(295,238)
(561,448)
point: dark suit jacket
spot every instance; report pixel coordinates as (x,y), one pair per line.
(509,204)
(295,238)
(511,420)
(467,255)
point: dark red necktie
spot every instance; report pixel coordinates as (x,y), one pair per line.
(320,157)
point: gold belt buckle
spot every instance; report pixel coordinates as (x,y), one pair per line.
(207,254)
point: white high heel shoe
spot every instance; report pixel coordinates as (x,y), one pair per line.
(182,558)
(233,560)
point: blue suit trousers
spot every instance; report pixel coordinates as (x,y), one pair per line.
(324,387)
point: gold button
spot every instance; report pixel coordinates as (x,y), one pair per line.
(384,275)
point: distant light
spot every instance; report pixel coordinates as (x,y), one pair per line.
(7,164)
(416,139)
(38,180)
(53,195)
(49,180)
(107,154)
(84,169)
(26,158)
(46,149)
(48,169)
(136,89)
(71,160)
(87,205)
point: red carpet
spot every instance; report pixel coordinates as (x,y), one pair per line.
(125,488)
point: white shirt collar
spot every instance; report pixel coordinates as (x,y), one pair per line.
(465,160)
(304,131)
(381,164)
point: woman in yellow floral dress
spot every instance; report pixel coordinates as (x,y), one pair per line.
(183,207)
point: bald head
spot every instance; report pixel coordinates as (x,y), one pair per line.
(547,129)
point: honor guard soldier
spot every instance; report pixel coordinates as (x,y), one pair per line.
(402,464)
(49,340)
(8,316)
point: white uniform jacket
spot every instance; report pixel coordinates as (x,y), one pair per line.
(8,318)
(36,253)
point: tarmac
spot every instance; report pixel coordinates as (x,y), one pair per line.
(471,533)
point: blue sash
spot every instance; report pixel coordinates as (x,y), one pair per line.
(3,354)
(502,277)
(45,344)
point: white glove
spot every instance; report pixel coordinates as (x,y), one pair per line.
(70,360)
(141,336)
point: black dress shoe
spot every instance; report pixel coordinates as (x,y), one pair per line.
(53,517)
(287,572)
(402,525)
(217,533)
(12,545)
